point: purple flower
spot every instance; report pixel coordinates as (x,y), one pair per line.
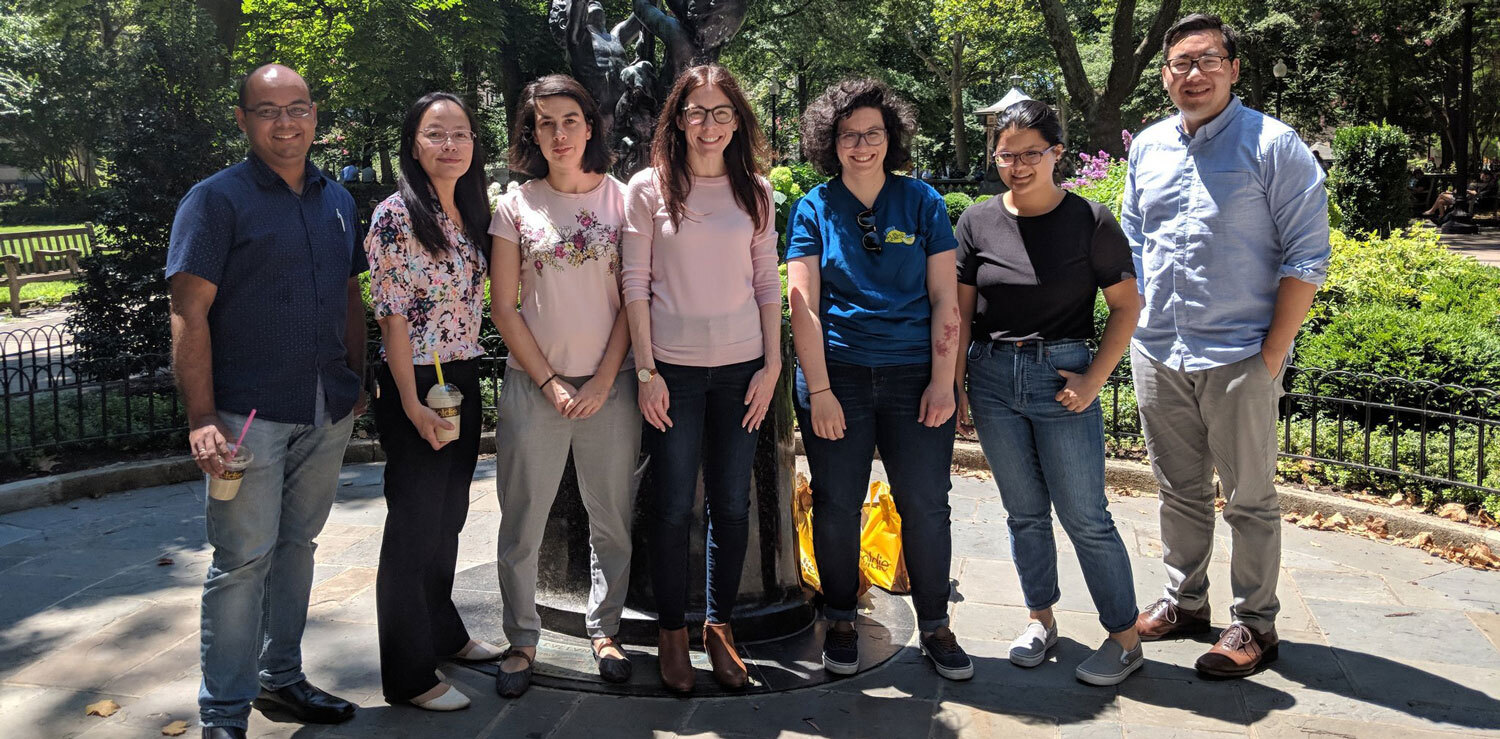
(1127,138)
(538,265)
(559,250)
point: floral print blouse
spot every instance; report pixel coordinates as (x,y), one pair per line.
(441,297)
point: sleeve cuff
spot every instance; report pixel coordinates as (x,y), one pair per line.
(1312,276)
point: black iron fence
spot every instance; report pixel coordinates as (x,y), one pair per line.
(1357,429)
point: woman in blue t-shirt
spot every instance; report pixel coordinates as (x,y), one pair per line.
(1030,264)
(870,270)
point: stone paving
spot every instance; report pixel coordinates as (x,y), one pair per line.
(98,599)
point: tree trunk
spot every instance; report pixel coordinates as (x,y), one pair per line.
(1104,129)
(384,148)
(956,105)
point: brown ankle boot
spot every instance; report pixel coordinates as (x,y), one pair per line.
(672,658)
(729,669)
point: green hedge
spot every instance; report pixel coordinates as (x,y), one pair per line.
(1369,177)
(957,203)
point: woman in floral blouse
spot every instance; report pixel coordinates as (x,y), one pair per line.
(427,267)
(567,383)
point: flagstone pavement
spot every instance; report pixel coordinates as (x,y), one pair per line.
(99,600)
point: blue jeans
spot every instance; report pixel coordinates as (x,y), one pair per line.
(707,405)
(255,596)
(880,411)
(1045,456)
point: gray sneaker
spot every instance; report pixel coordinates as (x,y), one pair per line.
(1110,664)
(1030,648)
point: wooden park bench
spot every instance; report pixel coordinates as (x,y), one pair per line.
(44,255)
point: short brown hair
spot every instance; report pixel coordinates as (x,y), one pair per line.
(820,123)
(526,154)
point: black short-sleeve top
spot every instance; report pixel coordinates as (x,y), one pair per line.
(1037,276)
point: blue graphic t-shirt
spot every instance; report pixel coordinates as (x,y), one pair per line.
(873,305)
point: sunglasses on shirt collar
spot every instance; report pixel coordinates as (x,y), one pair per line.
(871,238)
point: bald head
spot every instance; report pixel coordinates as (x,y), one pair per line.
(268,79)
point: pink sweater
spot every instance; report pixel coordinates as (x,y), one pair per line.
(705,279)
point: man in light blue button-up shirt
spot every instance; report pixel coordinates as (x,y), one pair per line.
(1228,220)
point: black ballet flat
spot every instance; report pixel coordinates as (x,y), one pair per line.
(612,669)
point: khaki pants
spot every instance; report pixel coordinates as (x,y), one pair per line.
(532,444)
(1194,422)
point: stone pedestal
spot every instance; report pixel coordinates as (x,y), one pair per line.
(772,602)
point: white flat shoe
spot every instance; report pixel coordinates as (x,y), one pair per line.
(479,651)
(449,700)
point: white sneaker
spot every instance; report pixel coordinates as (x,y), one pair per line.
(449,700)
(1030,648)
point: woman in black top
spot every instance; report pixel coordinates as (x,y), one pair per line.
(1030,264)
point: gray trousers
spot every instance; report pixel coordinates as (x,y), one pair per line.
(1194,422)
(532,444)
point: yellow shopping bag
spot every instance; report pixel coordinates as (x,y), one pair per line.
(881,560)
(802,519)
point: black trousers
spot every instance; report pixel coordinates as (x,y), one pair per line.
(427,500)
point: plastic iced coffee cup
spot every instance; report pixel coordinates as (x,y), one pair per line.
(226,485)
(445,400)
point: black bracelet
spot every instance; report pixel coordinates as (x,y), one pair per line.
(549,379)
(824,390)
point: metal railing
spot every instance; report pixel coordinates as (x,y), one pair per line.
(1374,428)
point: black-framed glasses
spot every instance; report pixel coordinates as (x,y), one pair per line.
(871,238)
(695,116)
(1206,63)
(1028,158)
(851,139)
(272,112)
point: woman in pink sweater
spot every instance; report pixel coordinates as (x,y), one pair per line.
(704,306)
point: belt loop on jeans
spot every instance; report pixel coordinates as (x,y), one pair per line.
(1035,346)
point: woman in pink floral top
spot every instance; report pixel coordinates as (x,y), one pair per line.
(556,300)
(428,263)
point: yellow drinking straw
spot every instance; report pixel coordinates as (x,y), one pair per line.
(439,367)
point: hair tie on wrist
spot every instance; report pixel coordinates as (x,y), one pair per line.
(824,390)
(549,379)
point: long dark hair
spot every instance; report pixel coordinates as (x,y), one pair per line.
(742,156)
(416,187)
(526,152)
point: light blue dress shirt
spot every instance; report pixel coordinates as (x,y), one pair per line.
(1215,221)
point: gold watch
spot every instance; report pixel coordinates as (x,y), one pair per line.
(645,375)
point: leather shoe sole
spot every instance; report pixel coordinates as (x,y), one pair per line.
(1223,669)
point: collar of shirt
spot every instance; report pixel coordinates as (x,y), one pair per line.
(267,177)
(1213,128)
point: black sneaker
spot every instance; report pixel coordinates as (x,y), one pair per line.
(947,656)
(841,651)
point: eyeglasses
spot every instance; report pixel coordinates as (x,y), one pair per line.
(695,116)
(851,139)
(1028,158)
(1206,63)
(461,137)
(272,112)
(871,239)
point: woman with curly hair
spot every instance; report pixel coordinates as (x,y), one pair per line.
(704,302)
(567,385)
(870,270)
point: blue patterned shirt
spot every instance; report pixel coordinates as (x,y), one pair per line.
(282,264)
(1215,220)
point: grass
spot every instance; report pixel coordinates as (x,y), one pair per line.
(47,293)
(23,249)
(13,229)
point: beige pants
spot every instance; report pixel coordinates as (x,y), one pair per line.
(532,444)
(1195,422)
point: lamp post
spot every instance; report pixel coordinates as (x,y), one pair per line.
(1279,72)
(1462,221)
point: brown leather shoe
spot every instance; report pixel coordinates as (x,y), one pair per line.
(672,658)
(1240,651)
(1164,620)
(729,669)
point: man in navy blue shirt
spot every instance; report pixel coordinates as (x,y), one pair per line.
(267,316)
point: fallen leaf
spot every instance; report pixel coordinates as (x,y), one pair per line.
(1453,512)
(1422,540)
(1336,521)
(164,562)
(1311,522)
(1397,499)
(102,709)
(1377,526)
(45,462)
(1481,554)
(176,728)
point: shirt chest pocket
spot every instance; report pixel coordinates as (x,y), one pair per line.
(1229,198)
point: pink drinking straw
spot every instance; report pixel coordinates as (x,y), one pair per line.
(241,440)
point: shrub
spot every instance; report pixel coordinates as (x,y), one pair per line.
(1438,346)
(1102,181)
(804,175)
(1369,177)
(982,198)
(957,203)
(1409,270)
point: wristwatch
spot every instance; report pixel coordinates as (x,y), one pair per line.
(644,375)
